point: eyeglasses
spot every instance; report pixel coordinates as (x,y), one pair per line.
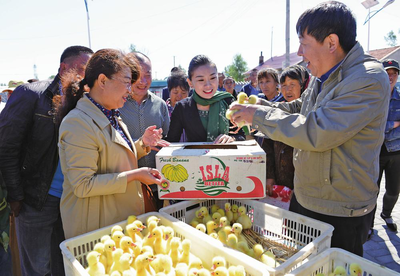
(126,81)
(228,82)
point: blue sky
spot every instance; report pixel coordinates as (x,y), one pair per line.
(36,32)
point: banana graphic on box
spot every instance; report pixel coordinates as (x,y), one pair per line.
(176,173)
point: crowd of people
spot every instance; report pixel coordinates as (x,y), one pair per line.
(78,152)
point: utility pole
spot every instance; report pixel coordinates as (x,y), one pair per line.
(174,61)
(272,36)
(35,72)
(88,26)
(287,35)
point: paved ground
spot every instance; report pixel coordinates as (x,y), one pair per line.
(384,246)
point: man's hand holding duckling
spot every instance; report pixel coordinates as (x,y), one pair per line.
(152,137)
(244,113)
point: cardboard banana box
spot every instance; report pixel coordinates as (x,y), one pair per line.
(204,171)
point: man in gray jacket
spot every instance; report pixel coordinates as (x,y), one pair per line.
(336,127)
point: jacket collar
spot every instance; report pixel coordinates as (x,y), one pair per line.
(98,117)
(52,89)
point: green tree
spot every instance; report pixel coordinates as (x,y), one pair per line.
(132,48)
(391,38)
(237,68)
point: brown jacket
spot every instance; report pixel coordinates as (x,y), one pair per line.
(279,162)
(94,158)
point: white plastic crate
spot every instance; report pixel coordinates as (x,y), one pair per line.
(328,260)
(308,235)
(75,249)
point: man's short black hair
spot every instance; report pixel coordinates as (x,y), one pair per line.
(178,79)
(74,51)
(329,18)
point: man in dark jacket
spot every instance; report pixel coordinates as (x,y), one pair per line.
(29,163)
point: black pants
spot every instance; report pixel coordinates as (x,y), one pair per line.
(391,165)
(350,232)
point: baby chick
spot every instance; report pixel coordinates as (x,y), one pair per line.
(235,213)
(223,221)
(201,227)
(214,208)
(221,271)
(216,217)
(184,258)
(168,235)
(116,228)
(174,252)
(104,238)
(133,231)
(109,247)
(237,230)
(203,272)
(159,243)
(355,270)
(195,263)
(127,245)
(228,211)
(339,271)
(141,264)
(211,226)
(116,237)
(243,219)
(95,266)
(218,261)
(116,256)
(125,263)
(131,219)
(99,247)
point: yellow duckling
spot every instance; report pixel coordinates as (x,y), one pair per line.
(339,271)
(205,215)
(214,236)
(216,217)
(109,247)
(240,271)
(203,272)
(232,241)
(134,232)
(243,247)
(174,252)
(99,247)
(214,208)
(221,271)
(201,227)
(222,212)
(130,219)
(234,210)
(125,263)
(237,230)
(104,238)
(127,245)
(228,211)
(95,267)
(116,237)
(116,256)
(168,235)
(243,219)
(141,264)
(159,243)
(193,272)
(146,249)
(195,263)
(184,258)
(223,221)
(198,216)
(211,226)
(222,236)
(152,218)
(355,270)
(116,273)
(181,269)
(148,240)
(218,261)
(268,258)
(116,228)
(194,223)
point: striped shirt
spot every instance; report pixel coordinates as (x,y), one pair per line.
(152,111)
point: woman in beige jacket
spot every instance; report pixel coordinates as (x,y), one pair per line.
(102,182)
